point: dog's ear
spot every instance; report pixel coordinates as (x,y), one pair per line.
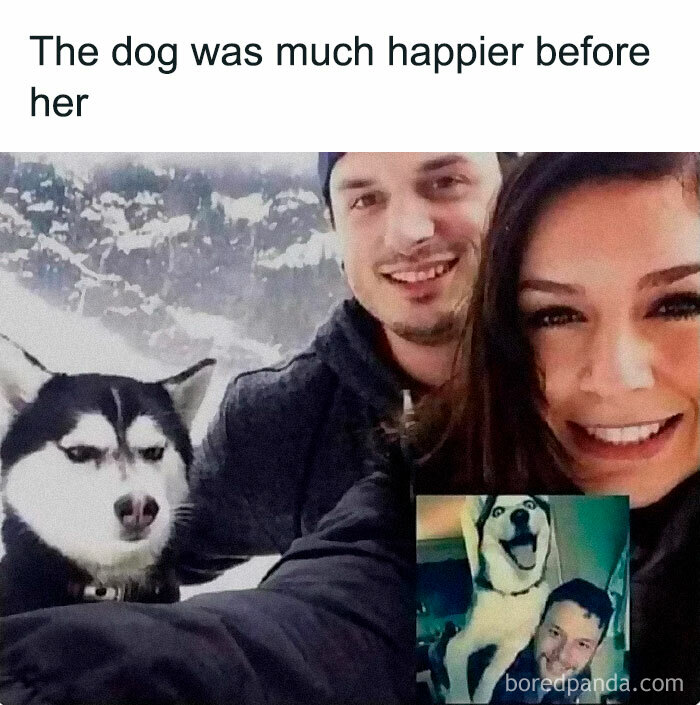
(21,374)
(471,511)
(543,501)
(188,388)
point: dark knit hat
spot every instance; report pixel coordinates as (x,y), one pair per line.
(326,162)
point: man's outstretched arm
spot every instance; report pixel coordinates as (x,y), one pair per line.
(333,622)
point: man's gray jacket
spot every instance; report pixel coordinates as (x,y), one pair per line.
(287,443)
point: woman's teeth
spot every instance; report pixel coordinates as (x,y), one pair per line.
(411,276)
(624,435)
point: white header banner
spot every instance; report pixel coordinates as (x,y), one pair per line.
(362,74)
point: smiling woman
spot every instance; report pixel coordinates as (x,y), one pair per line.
(614,321)
(585,335)
(582,367)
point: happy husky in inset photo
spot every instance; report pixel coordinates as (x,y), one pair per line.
(94,479)
(507,538)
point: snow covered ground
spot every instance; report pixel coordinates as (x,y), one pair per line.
(243,576)
(68,342)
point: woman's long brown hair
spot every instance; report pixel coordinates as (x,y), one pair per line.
(489,416)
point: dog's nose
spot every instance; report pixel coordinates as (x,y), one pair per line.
(520,517)
(136,512)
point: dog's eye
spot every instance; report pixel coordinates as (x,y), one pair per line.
(529,504)
(83,454)
(497,512)
(152,454)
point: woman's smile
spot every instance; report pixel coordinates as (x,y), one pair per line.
(625,442)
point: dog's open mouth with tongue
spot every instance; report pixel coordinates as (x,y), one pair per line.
(522,549)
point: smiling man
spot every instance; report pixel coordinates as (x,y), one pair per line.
(290,440)
(555,666)
(411,226)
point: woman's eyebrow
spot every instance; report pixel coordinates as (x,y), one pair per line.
(668,276)
(549,286)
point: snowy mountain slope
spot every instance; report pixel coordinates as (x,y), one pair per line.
(130,243)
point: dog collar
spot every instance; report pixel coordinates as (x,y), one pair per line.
(96,592)
(487,585)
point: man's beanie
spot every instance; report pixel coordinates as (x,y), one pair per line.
(326,162)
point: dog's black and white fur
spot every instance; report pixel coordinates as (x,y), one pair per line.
(94,477)
(507,538)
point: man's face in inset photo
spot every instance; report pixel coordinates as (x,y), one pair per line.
(566,640)
(411,225)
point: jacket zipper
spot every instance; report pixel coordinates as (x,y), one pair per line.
(408,421)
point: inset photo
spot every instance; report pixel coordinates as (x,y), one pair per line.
(522,599)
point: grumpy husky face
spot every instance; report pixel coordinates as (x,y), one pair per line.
(514,534)
(96,465)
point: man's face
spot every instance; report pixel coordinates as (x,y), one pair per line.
(566,640)
(410,225)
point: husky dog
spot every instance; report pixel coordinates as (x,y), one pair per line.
(94,477)
(508,540)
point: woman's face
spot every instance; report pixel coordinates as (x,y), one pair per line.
(610,296)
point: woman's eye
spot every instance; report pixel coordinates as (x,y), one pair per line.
(152,454)
(676,306)
(445,182)
(553,316)
(83,454)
